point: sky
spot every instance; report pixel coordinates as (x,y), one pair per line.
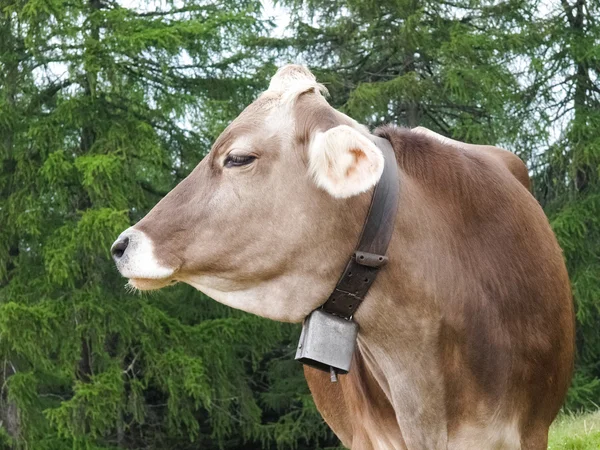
(278,14)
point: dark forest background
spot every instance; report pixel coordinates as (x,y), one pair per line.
(106,105)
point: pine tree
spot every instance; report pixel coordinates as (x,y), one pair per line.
(445,65)
(103,108)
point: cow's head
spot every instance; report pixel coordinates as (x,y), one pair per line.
(266,222)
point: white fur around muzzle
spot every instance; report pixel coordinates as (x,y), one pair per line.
(139,260)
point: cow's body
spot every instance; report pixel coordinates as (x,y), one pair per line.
(466,337)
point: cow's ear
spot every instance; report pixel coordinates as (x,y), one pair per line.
(344,162)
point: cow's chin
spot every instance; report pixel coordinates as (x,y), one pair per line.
(149,284)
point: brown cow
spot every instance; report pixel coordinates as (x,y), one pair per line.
(466,337)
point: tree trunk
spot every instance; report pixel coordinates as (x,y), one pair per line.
(576,15)
(9,412)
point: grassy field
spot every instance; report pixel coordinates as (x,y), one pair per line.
(576,432)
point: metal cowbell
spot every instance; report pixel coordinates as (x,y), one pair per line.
(327,342)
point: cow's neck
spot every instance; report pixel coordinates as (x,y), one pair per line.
(397,364)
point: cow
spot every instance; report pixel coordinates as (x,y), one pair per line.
(466,337)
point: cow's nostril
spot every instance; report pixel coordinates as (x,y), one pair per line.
(119,247)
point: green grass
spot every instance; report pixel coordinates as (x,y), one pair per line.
(575,432)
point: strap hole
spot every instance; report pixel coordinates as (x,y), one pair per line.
(362,257)
(366,280)
(349,274)
(381,258)
(350,306)
(333,300)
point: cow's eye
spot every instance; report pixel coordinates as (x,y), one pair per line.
(238,160)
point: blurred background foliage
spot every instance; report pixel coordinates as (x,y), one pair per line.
(105,105)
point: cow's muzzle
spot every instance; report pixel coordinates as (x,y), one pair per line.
(134,255)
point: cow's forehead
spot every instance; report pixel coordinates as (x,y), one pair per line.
(251,120)
(273,111)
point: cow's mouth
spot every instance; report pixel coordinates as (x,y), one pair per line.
(150,284)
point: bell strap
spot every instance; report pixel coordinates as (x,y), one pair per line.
(370,253)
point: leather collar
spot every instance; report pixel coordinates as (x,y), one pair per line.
(369,256)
